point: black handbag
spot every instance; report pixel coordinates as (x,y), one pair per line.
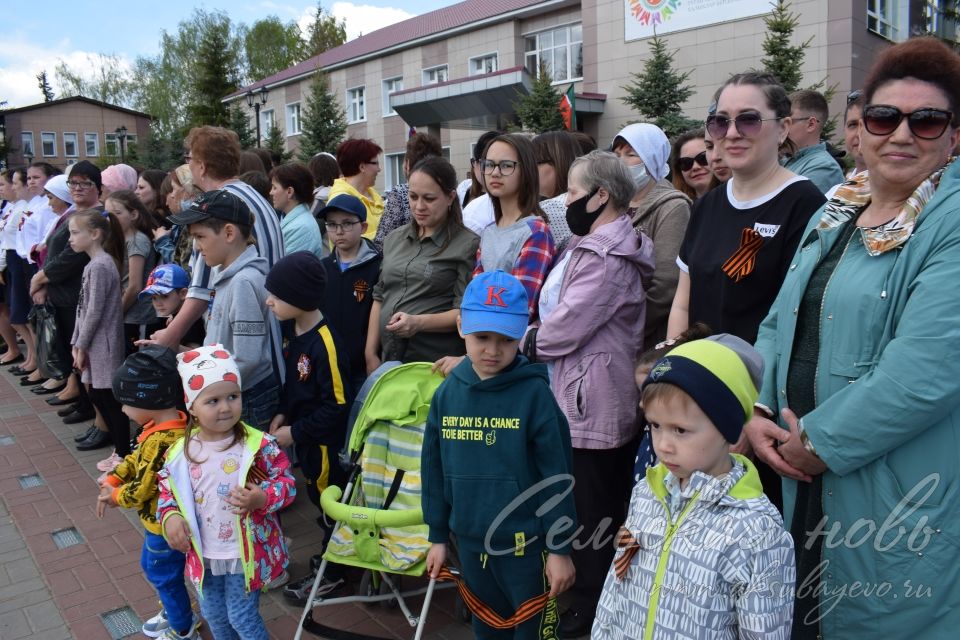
(50,357)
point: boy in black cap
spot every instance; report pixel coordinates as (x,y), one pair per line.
(314,404)
(221,224)
(149,388)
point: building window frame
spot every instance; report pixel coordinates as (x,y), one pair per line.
(88,137)
(435,74)
(76,144)
(48,138)
(393,170)
(27,146)
(267,121)
(294,121)
(388,86)
(356,100)
(536,46)
(495,55)
(882,18)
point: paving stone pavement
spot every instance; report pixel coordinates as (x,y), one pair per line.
(47,593)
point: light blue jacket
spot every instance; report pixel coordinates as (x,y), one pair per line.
(817,165)
(301,232)
(887,423)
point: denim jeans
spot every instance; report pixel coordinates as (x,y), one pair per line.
(163,568)
(260,403)
(229,610)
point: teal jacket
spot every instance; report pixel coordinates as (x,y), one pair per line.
(301,232)
(817,165)
(489,442)
(887,423)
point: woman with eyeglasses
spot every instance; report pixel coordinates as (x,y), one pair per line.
(659,211)
(359,161)
(741,237)
(690,167)
(426,267)
(519,241)
(476,204)
(862,349)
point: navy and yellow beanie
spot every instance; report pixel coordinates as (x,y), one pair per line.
(722,374)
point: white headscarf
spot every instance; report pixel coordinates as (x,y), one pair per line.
(651,144)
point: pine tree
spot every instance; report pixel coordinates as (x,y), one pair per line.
(659,91)
(539,111)
(784,59)
(240,122)
(45,87)
(324,33)
(324,123)
(217,72)
(275,143)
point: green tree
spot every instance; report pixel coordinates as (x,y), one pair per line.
(240,122)
(107,80)
(659,91)
(323,33)
(217,73)
(160,152)
(271,46)
(324,123)
(45,87)
(275,143)
(539,110)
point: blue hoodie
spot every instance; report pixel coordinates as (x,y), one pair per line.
(486,443)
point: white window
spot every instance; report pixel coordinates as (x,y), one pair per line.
(92,143)
(48,144)
(434,75)
(394,169)
(26,144)
(389,86)
(483,64)
(881,18)
(293,119)
(356,104)
(112,148)
(70,149)
(559,51)
(266,123)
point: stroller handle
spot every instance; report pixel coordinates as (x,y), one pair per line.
(366,516)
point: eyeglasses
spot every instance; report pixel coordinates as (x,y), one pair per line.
(853,96)
(507,167)
(84,184)
(926,124)
(342,226)
(685,164)
(747,124)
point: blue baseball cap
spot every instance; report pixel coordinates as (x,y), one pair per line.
(164,279)
(496,302)
(347,204)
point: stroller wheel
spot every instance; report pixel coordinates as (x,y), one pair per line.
(460,610)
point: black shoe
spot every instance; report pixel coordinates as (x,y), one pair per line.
(19,358)
(58,402)
(298,592)
(27,382)
(573,624)
(79,416)
(98,440)
(17,371)
(66,411)
(86,435)
(45,391)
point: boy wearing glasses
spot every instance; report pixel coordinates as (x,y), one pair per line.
(352,270)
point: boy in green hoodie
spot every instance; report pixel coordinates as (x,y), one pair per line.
(496,468)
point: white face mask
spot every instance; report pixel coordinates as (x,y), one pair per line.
(640,176)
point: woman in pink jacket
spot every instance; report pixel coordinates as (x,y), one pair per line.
(592,309)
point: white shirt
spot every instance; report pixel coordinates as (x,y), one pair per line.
(212,480)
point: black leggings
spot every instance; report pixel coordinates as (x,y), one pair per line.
(117,422)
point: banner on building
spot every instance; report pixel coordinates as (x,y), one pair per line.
(643,17)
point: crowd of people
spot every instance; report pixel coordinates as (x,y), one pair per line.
(738,347)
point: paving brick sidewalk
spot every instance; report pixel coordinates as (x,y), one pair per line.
(47,593)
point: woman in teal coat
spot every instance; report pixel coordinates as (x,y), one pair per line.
(863,354)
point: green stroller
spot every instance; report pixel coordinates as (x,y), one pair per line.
(380,524)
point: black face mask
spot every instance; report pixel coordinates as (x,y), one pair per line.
(579,219)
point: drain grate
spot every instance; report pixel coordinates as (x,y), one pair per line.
(5,440)
(66,538)
(31,480)
(121,623)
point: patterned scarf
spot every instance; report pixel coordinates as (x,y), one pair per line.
(854,195)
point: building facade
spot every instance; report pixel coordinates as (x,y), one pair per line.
(457,71)
(68,130)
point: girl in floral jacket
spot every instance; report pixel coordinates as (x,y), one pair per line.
(219,492)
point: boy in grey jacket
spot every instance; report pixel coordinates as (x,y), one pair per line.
(221,224)
(703,553)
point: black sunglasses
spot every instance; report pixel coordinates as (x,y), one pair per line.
(747,124)
(926,124)
(685,164)
(853,96)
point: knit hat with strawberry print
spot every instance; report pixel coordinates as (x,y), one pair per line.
(201,367)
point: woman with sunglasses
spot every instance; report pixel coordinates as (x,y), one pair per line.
(689,165)
(863,369)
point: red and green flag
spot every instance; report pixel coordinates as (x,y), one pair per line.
(568,110)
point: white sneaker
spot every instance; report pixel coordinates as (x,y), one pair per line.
(279,581)
(156,626)
(173,635)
